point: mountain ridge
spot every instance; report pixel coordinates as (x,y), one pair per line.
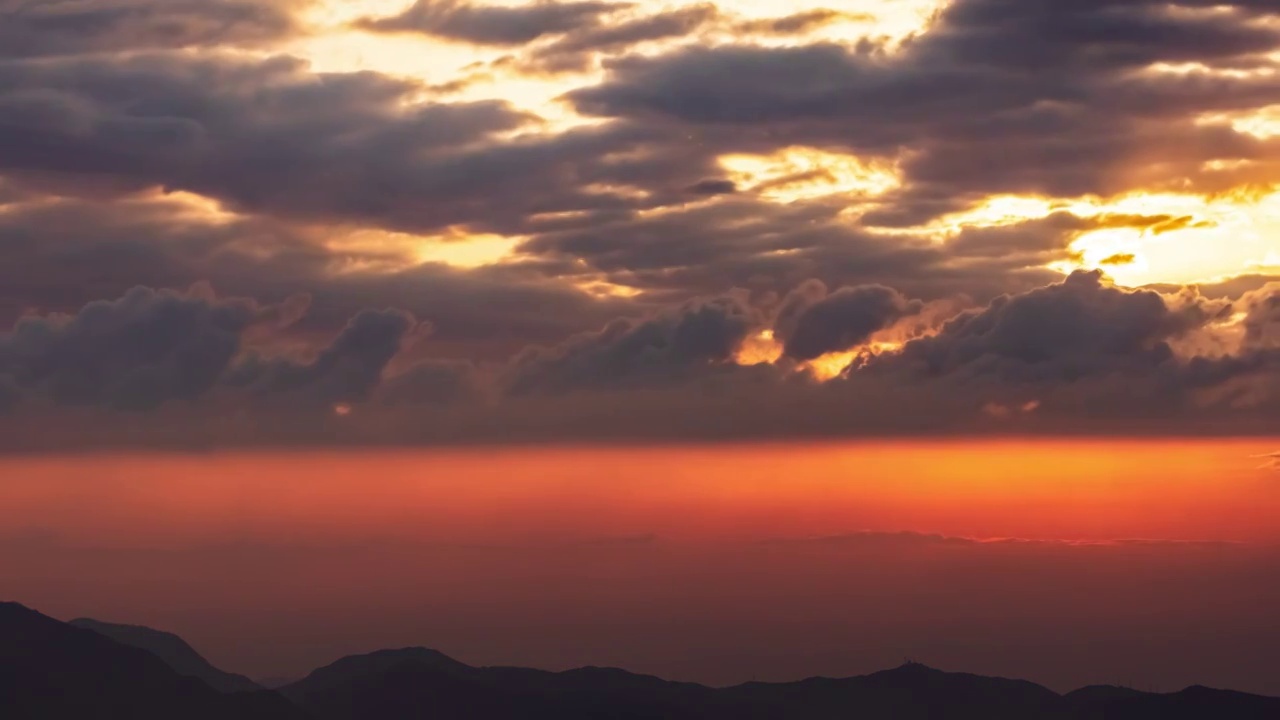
(53,669)
(173,650)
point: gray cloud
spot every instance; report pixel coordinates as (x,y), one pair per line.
(348,370)
(681,344)
(63,253)
(492,24)
(813,322)
(71,27)
(1080,328)
(134,353)
(269,137)
(997,96)
(1262,317)
(740,241)
(436,382)
(801,22)
(575,51)
(1022,96)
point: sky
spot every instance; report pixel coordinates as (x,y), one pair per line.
(298,223)
(790,337)
(1066,562)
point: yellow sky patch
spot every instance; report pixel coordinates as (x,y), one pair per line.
(799,173)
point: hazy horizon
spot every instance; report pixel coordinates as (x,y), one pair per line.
(1068,563)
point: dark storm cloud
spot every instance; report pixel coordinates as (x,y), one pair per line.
(812,322)
(71,27)
(1026,96)
(492,24)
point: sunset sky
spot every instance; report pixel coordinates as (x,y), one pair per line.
(292,222)
(976,299)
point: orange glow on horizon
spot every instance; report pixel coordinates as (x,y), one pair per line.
(1061,490)
(714,551)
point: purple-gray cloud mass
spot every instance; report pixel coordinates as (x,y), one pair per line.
(650,292)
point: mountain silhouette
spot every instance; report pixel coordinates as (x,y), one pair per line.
(50,669)
(419,683)
(174,651)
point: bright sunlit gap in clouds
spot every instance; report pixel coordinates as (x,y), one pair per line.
(1209,239)
(337,46)
(799,173)
(1191,238)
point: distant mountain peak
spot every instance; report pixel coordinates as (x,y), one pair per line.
(395,656)
(173,650)
(51,669)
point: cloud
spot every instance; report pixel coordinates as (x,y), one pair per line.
(802,22)
(1272,461)
(62,253)
(268,136)
(1119,259)
(907,539)
(813,322)
(135,353)
(68,27)
(575,51)
(1082,327)
(436,382)
(164,145)
(687,343)
(739,241)
(713,187)
(1262,317)
(1053,98)
(492,24)
(348,370)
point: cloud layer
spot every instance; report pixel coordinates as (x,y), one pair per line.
(723,224)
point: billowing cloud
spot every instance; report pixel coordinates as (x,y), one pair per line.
(134,353)
(348,370)
(674,346)
(813,322)
(1079,328)
(1262,317)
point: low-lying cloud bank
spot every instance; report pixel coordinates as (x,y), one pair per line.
(1080,355)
